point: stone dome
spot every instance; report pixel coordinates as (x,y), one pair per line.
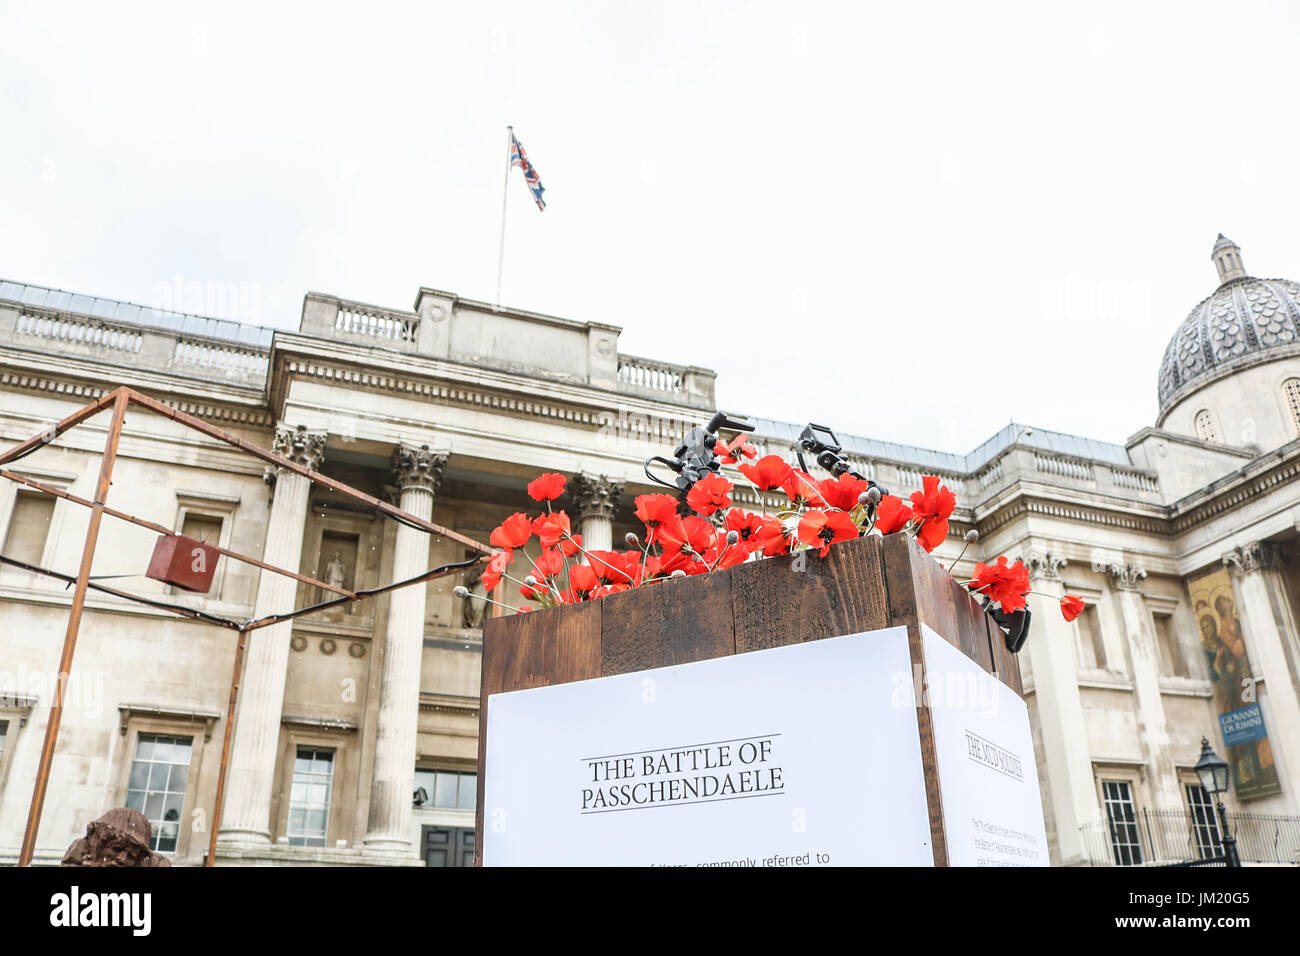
(1243,320)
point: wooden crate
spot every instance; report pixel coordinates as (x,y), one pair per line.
(861,585)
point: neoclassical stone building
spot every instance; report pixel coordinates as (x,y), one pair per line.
(356,730)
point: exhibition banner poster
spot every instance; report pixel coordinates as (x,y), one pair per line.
(1223,642)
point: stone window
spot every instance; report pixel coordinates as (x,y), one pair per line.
(29,526)
(1291,394)
(1121,821)
(1172,661)
(309,800)
(159,776)
(1206,429)
(1090,650)
(445,789)
(1205,825)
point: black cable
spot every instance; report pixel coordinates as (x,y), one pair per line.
(162,605)
(369,592)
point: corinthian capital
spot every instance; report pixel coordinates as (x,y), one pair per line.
(1044,564)
(1126,577)
(595,496)
(1256,556)
(418,467)
(300,445)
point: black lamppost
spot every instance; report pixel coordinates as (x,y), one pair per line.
(1213,772)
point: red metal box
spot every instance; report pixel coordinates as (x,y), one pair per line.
(183,562)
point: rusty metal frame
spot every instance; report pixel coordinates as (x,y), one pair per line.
(119,400)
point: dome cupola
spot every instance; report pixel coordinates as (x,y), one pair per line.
(1244,322)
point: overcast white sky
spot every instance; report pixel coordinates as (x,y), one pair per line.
(911,221)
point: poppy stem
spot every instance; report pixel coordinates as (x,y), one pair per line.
(594,558)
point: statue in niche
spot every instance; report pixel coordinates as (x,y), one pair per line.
(473,608)
(336,573)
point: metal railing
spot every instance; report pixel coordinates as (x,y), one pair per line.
(1167,837)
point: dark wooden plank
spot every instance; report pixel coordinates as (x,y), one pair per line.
(843,593)
(670,622)
(972,627)
(536,649)
(903,582)
(934,598)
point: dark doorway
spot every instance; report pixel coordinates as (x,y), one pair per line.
(448,846)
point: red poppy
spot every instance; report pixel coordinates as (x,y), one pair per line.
(582,578)
(771,471)
(527,593)
(1072,606)
(769,536)
(730,453)
(709,494)
(821,529)
(654,510)
(685,541)
(932,507)
(571,545)
(842,492)
(546,487)
(724,555)
(512,533)
(549,563)
(616,567)
(892,515)
(496,567)
(801,488)
(742,522)
(551,528)
(1006,584)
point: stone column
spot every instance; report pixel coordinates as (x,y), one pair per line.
(1271,645)
(1144,652)
(418,472)
(1071,791)
(250,779)
(595,499)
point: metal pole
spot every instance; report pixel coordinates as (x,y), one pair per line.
(505,191)
(225,749)
(1229,841)
(74,625)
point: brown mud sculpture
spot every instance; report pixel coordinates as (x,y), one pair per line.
(119,838)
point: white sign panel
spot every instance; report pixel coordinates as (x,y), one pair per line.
(988,780)
(803,755)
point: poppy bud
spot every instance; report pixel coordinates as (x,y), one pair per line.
(460,591)
(733,537)
(632,540)
(679,573)
(530,581)
(972,536)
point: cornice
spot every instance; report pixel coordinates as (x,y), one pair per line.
(1022,503)
(1232,493)
(252,416)
(453,382)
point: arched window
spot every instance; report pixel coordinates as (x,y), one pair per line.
(1291,395)
(1206,430)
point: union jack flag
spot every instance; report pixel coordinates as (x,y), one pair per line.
(519,158)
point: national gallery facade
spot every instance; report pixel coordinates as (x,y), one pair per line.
(1184,539)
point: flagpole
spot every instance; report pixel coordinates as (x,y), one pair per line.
(505,191)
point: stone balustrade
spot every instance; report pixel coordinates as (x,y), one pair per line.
(441,326)
(169,342)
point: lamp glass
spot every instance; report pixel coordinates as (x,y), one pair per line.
(1212,770)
